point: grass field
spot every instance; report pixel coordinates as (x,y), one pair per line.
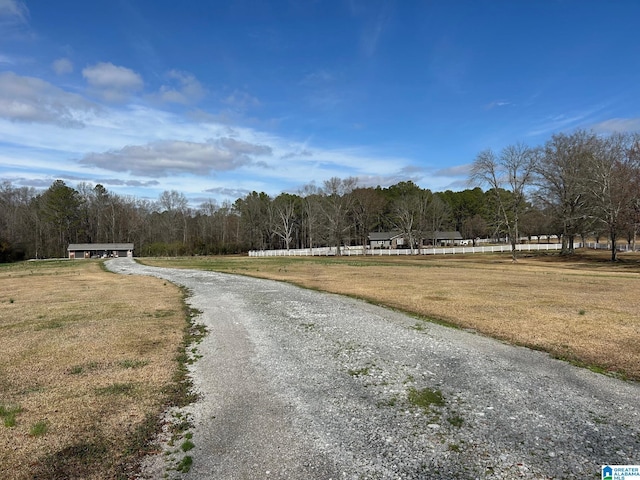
(90,359)
(583,309)
(88,363)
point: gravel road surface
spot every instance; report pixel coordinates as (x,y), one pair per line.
(297,384)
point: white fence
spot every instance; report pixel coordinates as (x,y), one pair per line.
(354,251)
(623,247)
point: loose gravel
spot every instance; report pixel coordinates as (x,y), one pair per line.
(298,384)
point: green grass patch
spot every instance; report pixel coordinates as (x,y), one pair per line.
(133,363)
(425,398)
(8,415)
(83,368)
(116,389)
(359,372)
(76,370)
(39,428)
(139,442)
(187,445)
(185,464)
(181,424)
(455,420)
(180,391)
(163,313)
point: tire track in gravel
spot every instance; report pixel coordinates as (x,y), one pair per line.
(297,384)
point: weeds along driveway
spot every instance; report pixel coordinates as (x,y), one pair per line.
(297,384)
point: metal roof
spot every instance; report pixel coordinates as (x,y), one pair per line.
(383,236)
(100,246)
(443,235)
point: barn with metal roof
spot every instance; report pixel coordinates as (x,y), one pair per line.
(100,250)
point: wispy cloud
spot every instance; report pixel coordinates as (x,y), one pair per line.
(455,171)
(12,11)
(498,104)
(128,183)
(375,21)
(183,88)
(386,180)
(302,152)
(566,121)
(228,192)
(318,77)
(14,20)
(617,125)
(62,66)
(241,100)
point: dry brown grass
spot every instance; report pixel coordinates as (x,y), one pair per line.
(91,354)
(583,309)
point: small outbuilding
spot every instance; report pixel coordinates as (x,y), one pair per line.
(100,250)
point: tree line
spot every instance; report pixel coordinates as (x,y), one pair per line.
(576,185)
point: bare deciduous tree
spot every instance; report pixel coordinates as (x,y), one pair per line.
(612,183)
(336,205)
(282,212)
(368,205)
(561,176)
(512,171)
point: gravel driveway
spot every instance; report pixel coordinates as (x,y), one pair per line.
(298,384)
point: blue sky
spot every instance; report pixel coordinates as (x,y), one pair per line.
(217,99)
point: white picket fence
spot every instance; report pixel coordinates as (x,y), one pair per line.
(355,251)
(621,247)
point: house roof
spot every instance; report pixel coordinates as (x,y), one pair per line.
(443,235)
(382,236)
(100,246)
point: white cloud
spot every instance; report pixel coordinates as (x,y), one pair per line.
(498,103)
(113,83)
(154,150)
(29,99)
(228,192)
(185,89)
(62,66)
(165,158)
(128,183)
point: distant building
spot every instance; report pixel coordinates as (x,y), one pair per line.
(442,239)
(396,240)
(100,250)
(385,239)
